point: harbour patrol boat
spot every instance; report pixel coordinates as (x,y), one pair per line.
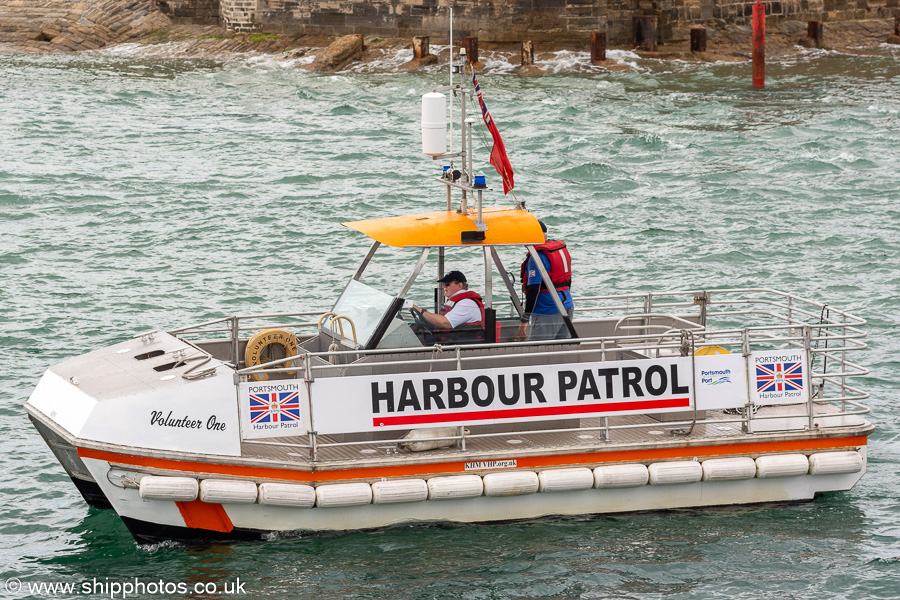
(249,427)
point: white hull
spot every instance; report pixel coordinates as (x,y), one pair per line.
(256,520)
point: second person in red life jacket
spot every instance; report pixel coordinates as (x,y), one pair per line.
(540,309)
(461,307)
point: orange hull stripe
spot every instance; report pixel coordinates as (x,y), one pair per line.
(201,515)
(528,462)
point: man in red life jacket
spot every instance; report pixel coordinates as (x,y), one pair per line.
(461,307)
(540,309)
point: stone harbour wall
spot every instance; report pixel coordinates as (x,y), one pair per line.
(45,25)
(517,20)
(200,12)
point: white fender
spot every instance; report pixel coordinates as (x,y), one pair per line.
(287,494)
(514,483)
(834,463)
(620,476)
(401,490)
(343,494)
(728,469)
(455,486)
(227,491)
(564,480)
(679,471)
(781,465)
(178,489)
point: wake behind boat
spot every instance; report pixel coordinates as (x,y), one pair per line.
(368,416)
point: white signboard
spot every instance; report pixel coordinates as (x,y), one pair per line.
(514,394)
(779,377)
(178,416)
(273,409)
(721,381)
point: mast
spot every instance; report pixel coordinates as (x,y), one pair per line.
(465,179)
(451,87)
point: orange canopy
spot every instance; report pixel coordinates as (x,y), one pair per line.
(505,226)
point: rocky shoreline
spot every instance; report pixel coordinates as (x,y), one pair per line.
(45,26)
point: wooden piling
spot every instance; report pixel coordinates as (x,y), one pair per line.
(420,46)
(528,53)
(645,32)
(598,47)
(896,25)
(471,46)
(759,44)
(362,42)
(698,39)
(815,31)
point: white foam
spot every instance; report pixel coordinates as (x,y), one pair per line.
(624,57)
(566,61)
(388,62)
(883,109)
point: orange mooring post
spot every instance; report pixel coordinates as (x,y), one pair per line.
(759,44)
(471,45)
(420,46)
(816,32)
(528,53)
(598,47)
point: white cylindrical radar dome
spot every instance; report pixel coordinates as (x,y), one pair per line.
(434,124)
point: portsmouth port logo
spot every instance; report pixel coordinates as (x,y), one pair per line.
(779,377)
(718,377)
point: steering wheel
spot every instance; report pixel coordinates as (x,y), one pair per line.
(422,328)
(421,320)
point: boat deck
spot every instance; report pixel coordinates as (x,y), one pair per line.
(633,431)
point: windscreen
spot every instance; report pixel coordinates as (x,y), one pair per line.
(365,306)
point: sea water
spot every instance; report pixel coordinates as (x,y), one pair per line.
(141,192)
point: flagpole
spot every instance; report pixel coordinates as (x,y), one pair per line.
(451,81)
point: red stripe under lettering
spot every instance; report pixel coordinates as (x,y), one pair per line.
(538,411)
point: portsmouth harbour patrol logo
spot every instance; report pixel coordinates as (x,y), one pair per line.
(779,377)
(274,407)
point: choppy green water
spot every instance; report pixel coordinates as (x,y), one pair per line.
(139,194)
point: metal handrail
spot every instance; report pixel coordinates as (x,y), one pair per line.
(776,319)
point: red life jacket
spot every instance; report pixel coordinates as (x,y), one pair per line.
(560,266)
(467,295)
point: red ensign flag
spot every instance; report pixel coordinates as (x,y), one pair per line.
(498,152)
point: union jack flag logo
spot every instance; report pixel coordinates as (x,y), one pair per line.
(274,407)
(779,377)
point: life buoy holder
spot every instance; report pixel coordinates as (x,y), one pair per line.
(256,346)
(339,320)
